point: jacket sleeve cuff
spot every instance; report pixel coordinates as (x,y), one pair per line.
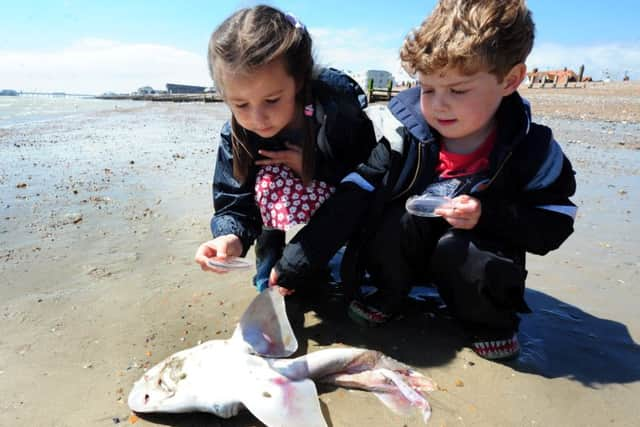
(289,275)
(221,226)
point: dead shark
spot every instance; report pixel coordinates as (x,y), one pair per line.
(248,371)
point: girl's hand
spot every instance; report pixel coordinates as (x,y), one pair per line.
(273,283)
(220,247)
(462,212)
(292,157)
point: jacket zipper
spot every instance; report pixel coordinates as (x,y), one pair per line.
(421,147)
(502,165)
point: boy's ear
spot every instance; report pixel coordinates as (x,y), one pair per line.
(513,79)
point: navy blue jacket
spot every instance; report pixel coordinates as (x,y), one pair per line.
(345,139)
(525,200)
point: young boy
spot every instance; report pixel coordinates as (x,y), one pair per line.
(466,134)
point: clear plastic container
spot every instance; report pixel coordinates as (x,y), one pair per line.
(230,263)
(426,205)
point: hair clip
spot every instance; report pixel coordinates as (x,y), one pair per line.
(294,21)
(308,110)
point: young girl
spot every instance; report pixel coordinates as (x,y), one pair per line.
(295,133)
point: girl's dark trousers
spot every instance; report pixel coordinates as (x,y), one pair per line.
(269,247)
(480,280)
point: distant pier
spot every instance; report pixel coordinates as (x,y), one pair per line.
(166,97)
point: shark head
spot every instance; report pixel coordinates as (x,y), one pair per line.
(186,382)
(158,389)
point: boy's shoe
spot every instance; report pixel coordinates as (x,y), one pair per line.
(335,290)
(367,315)
(497,349)
(377,308)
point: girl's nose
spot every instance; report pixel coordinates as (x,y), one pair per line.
(259,116)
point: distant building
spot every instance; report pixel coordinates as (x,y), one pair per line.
(565,75)
(175,88)
(145,90)
(8,92)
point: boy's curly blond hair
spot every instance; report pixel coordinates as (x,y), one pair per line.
(471,36)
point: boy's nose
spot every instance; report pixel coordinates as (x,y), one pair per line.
(438,102)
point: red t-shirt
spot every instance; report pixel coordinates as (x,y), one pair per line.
(453,165)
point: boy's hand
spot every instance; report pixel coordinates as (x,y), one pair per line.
(221,247)
(462,212)
(273,282)
(292,157)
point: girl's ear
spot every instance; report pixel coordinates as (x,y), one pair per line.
(513,79)
(299,85)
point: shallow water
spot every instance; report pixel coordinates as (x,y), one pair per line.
(27,109)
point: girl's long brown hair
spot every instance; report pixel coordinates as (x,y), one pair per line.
(253,37)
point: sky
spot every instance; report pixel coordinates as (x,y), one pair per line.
(90,47)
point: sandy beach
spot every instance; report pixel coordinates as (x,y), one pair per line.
(102,214)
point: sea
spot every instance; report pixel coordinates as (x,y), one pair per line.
(29,109)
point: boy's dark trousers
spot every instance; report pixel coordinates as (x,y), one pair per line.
(481,281)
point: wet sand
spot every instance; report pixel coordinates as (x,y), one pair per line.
(101,216)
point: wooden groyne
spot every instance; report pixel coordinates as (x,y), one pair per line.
(381,94)
(374,95)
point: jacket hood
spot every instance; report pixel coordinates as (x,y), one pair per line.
(406,108)
(341,87)
(514,119)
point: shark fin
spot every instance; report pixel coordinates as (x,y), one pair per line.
(404,396)
(279,401)
(265,328)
